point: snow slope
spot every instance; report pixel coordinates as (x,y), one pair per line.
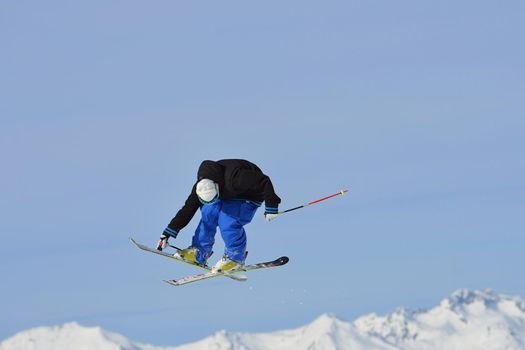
(466,320)
(71,336)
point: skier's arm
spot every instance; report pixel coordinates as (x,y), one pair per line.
(271,200)
(250,179)
(184,215)
(255,179)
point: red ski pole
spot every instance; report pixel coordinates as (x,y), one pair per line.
(340,193)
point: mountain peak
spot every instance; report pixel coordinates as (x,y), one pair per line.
(390,328)
(466,302)
(70,335)
(464,296)
(327,320)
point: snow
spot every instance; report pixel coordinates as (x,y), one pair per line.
(71,336)
(466,320)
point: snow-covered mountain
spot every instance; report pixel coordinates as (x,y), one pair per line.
(71,336)
(466,320)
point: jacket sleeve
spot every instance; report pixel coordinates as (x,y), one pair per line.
(186,213)
(271,200)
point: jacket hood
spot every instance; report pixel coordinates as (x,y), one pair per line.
(211,170)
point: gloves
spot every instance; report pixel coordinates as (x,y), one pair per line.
(271,213)
(163,240)
(270,217)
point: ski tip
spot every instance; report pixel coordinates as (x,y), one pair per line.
(135,243)
(283,260)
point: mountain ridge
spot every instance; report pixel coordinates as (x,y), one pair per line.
(466,320)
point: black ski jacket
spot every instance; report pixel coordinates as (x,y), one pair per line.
(237,179)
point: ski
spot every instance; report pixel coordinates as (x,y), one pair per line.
(240,278)
(194,278)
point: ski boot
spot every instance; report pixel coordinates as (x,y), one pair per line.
(189,254)
(226,265)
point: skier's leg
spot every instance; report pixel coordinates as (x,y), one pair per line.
(204,236)
(233,216)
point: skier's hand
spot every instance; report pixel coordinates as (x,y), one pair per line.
(270,217)
(271,213)
(163,242)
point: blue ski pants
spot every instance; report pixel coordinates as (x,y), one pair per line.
(230,216)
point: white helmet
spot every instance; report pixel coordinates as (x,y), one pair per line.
(207,191)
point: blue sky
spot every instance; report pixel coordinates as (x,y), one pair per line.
(108,108)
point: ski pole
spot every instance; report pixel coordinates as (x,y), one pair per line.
(340,193)
(176,248)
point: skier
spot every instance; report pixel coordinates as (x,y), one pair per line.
(228,193)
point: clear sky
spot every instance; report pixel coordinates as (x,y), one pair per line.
(108,107)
